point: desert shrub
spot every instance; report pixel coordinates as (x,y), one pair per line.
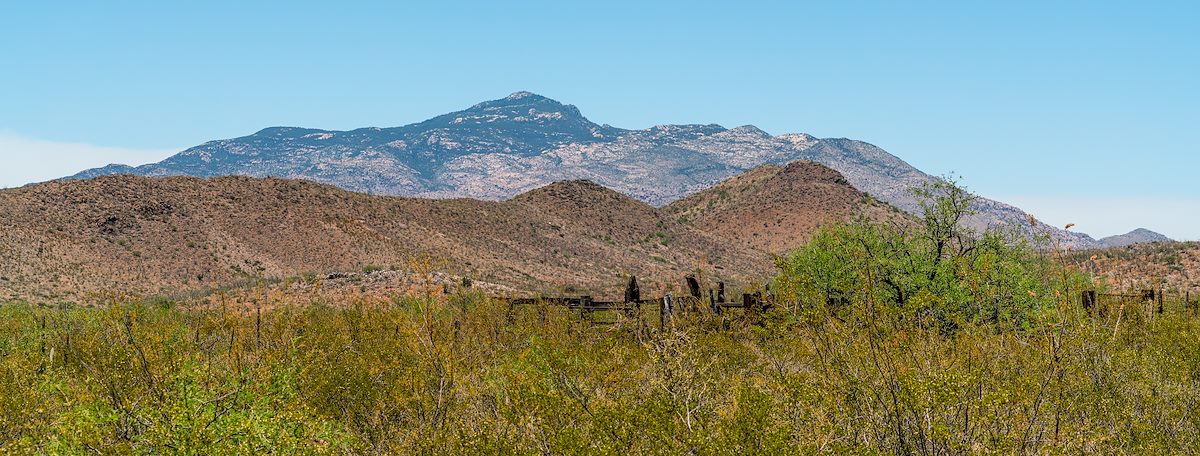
(999,281)
(460,374)
(882,340)
(939,274)
(139,378)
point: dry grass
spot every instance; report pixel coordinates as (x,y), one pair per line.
(453,374)
(1171,266)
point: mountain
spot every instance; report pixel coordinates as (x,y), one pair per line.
(777,208)
(500,148)
(408,160)
(1138,236)
(74,239)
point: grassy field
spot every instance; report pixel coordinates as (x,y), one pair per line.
(881,341)
(453,374)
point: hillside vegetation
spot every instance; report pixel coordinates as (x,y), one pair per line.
(922,340)
(74,240)
(1173,267)
(776,208)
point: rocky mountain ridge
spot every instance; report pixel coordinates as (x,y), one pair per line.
(500,148)
(1137,236)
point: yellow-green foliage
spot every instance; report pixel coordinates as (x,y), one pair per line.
(459,374)
(933,342)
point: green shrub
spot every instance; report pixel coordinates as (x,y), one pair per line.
(882,340)
(939,274)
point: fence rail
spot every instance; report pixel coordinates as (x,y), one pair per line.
(753,304)
(668,305)
(1156,301)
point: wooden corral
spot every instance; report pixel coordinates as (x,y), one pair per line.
(669,306)
(1147,301)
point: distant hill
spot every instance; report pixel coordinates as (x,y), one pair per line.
(500,148)
(67,239)
(1169,265)
(1138,236)
(778,208)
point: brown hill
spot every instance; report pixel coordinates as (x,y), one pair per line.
(1171,266)
(778,208)
(64,240)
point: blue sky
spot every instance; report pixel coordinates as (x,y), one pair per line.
(1082,112)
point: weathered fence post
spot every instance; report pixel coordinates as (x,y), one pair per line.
(633,294)
(257,323)
(664,311)
(712,302)
(42,333)
(457,330)
(693,287)
(1088,298)
(721,291)
(1160,300)
(1147,299)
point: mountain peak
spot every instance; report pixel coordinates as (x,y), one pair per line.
(1137,236)
(750,130)
(777,208)
(286,131)
(522,94)
(809,171)
(523,107)
(521,98)
(579,190)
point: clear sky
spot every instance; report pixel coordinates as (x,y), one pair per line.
(1083,112)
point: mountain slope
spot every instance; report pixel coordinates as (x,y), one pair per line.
(68,239)
(1138,236)
(1166,265)
(776,209)
(500,148)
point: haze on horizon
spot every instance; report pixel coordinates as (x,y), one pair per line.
(1075,112)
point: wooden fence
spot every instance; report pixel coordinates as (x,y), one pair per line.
(668,305)
(1150,300)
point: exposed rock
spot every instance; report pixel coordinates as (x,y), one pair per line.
(500,148)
